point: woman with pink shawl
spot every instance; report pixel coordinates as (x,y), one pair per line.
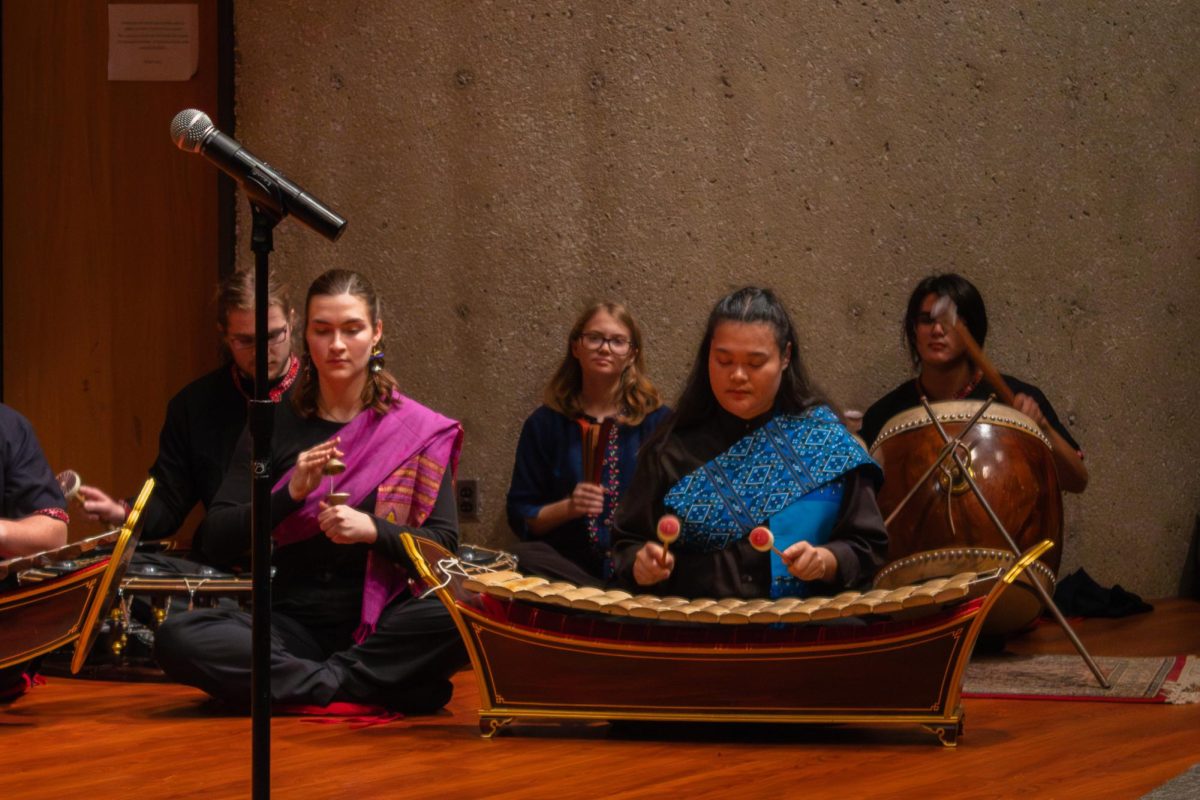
(347,631)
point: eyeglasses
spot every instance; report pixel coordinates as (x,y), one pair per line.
(618,345)
(244,341)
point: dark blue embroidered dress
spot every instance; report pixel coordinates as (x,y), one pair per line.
(548,466)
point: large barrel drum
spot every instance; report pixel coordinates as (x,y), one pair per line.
(1010,460)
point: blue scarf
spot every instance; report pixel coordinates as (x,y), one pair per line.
(787,475)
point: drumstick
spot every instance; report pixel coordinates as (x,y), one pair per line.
(946,312)
(762,540)
(668,530)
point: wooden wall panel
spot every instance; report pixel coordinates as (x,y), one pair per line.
(110,241)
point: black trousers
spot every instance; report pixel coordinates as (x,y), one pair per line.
(405,665)
(543,560)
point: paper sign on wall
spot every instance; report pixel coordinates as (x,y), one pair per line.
(153,42)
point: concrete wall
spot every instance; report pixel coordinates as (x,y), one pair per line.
(504,163)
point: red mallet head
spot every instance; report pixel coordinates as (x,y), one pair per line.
(761,539)
(668,528)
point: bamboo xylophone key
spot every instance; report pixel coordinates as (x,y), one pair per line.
(740,615)
(684,612)
(835,606)
(717,610)
(509,588)
(545,593)
(870,603)
(479,583)
(652,609)
(600,602)
(774,612)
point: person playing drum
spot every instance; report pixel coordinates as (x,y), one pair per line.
(752,442)
(945,371)
(346,626)
(33,513)
(577,452)
(206,417)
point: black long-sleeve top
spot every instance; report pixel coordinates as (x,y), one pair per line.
(198,438)
(316,581)
(858,539)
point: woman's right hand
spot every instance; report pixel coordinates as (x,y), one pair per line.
(99,507)
(309,465)
(586,500)
(650,566)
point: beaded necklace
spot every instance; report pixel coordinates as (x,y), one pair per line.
(961,394)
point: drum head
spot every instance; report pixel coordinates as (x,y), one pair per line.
(1015,610)
(111,582)
(951,411)
(1000,474)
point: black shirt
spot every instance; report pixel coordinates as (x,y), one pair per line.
(27,483)
(198,438)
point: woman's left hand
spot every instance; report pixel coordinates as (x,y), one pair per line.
(346,525)
(810,563)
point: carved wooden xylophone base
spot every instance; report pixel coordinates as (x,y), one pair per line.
(537,662)
(494,722)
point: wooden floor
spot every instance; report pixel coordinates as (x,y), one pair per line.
(92,739)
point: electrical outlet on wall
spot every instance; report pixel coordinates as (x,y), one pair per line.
(467,494)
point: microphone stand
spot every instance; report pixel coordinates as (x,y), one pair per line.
(262,424)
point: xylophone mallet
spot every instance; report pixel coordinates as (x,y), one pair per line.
(762,540)
(667,530)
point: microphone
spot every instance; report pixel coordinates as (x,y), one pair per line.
(193,132)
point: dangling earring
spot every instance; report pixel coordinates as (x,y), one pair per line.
(376,359)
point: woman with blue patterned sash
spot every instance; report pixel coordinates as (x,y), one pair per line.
(577,452)
(751,443)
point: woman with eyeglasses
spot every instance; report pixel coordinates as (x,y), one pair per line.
(945,371)
(752,443)
(206,417)
(577,452)
(356,465)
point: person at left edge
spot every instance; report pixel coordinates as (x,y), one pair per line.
(206,417)
(345,625)
(33,515)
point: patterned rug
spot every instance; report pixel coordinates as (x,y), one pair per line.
(1182,787)
(1169,679)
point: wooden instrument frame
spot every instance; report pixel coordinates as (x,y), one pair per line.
(49,614)
(886,673)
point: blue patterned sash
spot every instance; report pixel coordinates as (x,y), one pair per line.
(787,475)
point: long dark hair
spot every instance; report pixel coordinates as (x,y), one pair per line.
(965,296)
(637,394)
(377,392)
(751,304)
